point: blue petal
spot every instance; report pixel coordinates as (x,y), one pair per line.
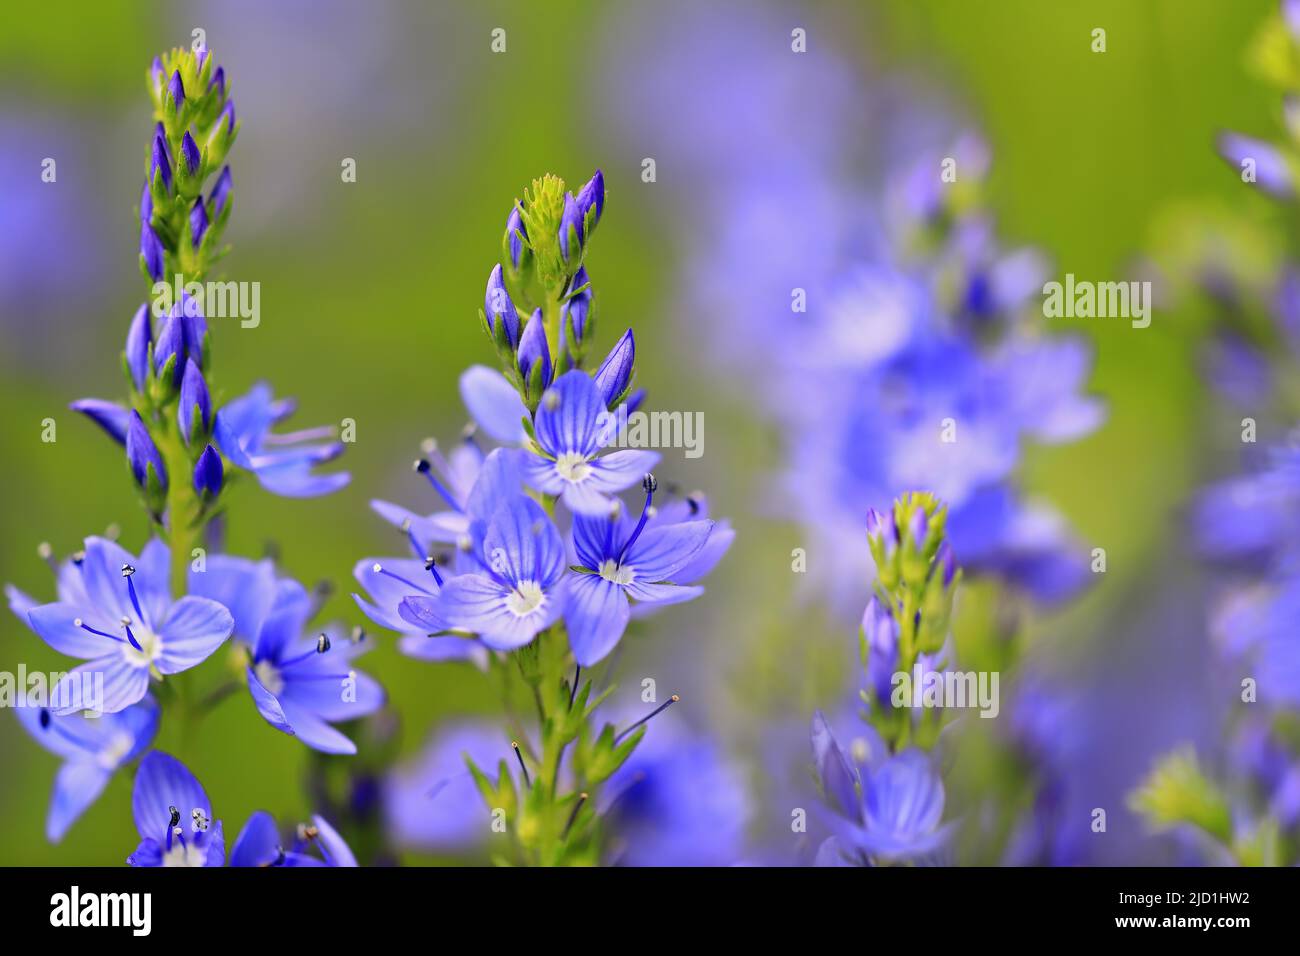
(660,551)
(258,844)
(522,543)
(315,732)
(123,683)
(621,469)
(194,629)
(494,404)
(163,782)
(569,416)
(596,616)
(834,771)
(77,785)
(53,623)
(332,846)
(268,705)
(110,416)
(245,588)
(291,609)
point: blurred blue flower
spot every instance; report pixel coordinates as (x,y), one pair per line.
(92,748)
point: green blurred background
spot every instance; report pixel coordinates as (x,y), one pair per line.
(369,290)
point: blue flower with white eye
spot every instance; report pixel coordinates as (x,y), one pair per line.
(282,463)
(518,589)
(116,612)
(885,808)
(173,816)
(691,507)
(92,748)
(259,844)
(571,426)
(623,560)
(300,684)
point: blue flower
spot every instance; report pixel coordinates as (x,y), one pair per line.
(534,354)
(614,376)
(282,463)
(678,801)
(300,684)
(259,844)
(433,803)
(500,310)
(173,817)
(194,411)
(571,425)
(517,591)
(151,253)
(884,808)
(623,560)
(92,748)
(116,612)
(208,474)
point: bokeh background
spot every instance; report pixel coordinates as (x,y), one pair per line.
(369,294)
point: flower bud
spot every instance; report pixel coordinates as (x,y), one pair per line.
(614,376)
(502,319)
(576,312)
(194,411)
(208,474)
(175,93)
(138,339)
(220,192)
(160,162)
(592,197)
(170,348)
(198,222)
(879,646)
(514,244)
(110,416)
(152,257)
(146,463)
(535,356)
(571,235)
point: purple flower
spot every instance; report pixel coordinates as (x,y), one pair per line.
(516,235)
(301,683)
(621,561)
(116,612)
(259,844)
(173,817)
(160,164)
(282,463)
(570,427)
(1273,171)
(576,311)
(517,591)
(92,751)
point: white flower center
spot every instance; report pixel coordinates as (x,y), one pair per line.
(151,645)
(611,570)
(188,855)
(270,677)
(525,599)
(572,466)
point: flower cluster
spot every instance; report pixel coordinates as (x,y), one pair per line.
(885,793)
(1248,524)
(533,558)
(118,611)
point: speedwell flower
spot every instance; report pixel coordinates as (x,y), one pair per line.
(300,684)
(259,844)
(622,560)
(282,463)
(119,616)
(571,425)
